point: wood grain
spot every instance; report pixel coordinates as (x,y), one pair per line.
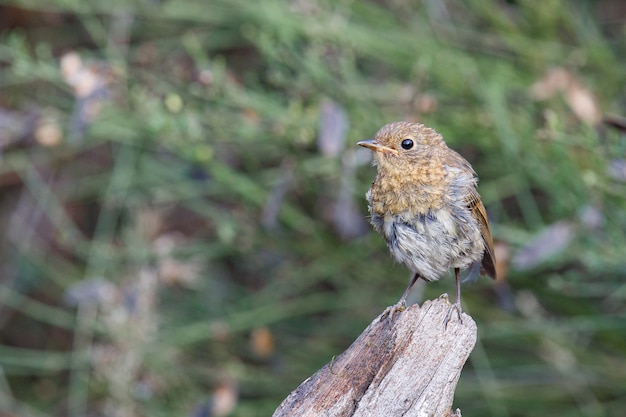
(406,365)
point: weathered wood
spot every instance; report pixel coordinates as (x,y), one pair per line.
(408,365)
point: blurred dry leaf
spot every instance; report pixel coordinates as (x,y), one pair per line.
(503,253)
(91,291)
(617,169)
(591,217)
(615,121)
(225,398)
(348,219)
(501,287)
(262,342)
(173,271)
(583,103)
(555,81)
(222,402)
(84,80)
(333,127)
(48,132)
(271,209)
(579,98)
(346,216)
(552,240)
(90,84)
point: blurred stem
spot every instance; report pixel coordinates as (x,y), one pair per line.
(582,324)
(86,314)
(91,21)
(244,320)
(530,211)
(488,381)
(34,359)
(37,310)
(247,189)
(79,373)
(6,395)
(47,199)
(8,401)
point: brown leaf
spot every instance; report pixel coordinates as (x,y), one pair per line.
(552,240)
(616,122)
(262,342)
(583,103)
(48,132)
(345,215)
(553,82)
(333,128)
(578,97)
(225,398)
(503,254)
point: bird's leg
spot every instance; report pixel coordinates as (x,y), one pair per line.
(405,294)
(457,304)
(401,304)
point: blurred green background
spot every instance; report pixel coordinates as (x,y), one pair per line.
(182,202)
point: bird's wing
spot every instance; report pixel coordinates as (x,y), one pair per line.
(480,214)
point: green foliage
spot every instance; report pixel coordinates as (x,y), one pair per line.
(171,240)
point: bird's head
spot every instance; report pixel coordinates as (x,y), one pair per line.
(402,142)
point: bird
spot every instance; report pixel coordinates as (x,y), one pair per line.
(425,203)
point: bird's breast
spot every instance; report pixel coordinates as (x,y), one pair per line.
(431,243)
(419,198)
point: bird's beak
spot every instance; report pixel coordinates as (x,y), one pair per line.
(376,147)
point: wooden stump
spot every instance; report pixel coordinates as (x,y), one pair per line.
(408,365)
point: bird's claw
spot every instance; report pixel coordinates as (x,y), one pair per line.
(454,306)
(390,311)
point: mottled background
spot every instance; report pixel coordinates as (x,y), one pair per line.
(182,201)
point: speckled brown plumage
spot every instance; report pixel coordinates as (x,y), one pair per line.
(425,204)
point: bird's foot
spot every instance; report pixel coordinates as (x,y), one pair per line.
(390,311)
(454,306)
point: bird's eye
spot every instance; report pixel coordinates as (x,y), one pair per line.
(407,144)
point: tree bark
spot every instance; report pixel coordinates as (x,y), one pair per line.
(406,364)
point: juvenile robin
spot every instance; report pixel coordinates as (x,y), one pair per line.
(425,204)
